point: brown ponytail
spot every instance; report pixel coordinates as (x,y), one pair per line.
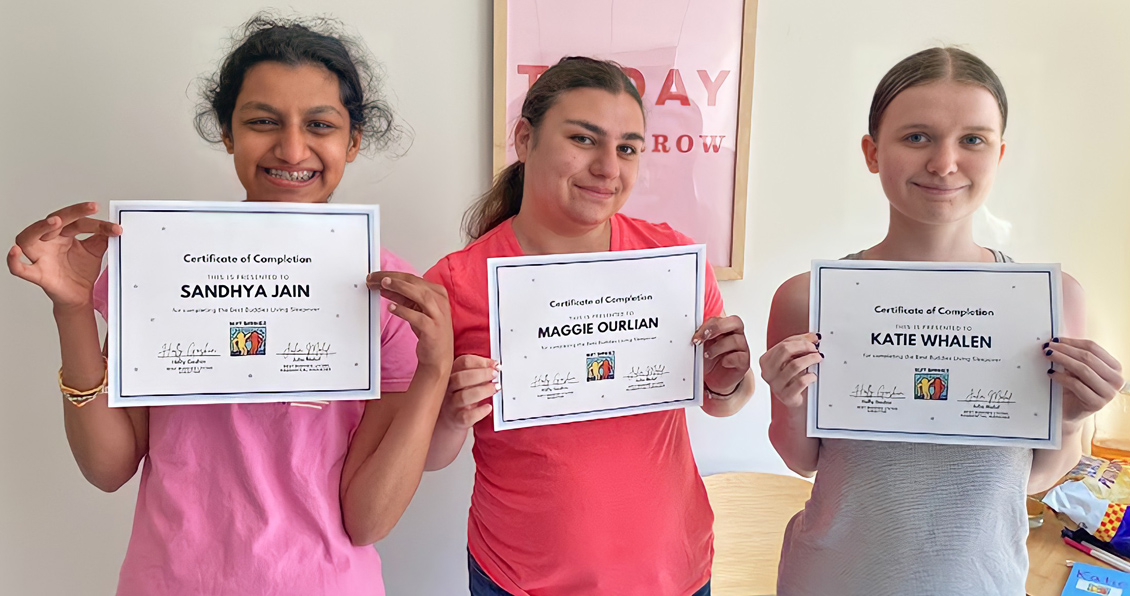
(504,199)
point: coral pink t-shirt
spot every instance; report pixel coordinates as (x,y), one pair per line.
(610,506)
(244,499)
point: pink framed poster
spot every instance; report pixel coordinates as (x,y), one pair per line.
(693,62)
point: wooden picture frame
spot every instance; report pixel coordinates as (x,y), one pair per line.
(712,206)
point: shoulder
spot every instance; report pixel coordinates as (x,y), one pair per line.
(795,288)
(789,313)
(655,235)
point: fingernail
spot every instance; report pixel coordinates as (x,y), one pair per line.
(1046,344)
(707,333)
(821,354)
(392,307)
(817,345)
(498,386)
(1051,370)
(1048,353)
(706,354)
(497,366)
(696,341)
(1055,339)
(819,337)
(385,282)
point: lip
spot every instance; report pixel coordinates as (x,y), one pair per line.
(940,191)
(279,182)
(597,192)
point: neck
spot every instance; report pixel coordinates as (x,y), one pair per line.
(908,240)
(544,236)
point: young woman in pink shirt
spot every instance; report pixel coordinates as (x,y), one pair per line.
(258,498)
(611,506)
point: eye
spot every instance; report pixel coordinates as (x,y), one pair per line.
(319,126)
(584,140)
(973,140)
(260,122)
(628,150)
(915,138)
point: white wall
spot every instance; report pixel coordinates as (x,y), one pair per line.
(94,105)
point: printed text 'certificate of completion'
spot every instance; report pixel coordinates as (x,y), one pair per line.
(935,352)
(596,335)
(242,302)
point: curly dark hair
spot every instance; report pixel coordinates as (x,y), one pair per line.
(268,37)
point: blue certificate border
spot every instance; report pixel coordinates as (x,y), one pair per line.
(1052,319)
(700,304)
(338,210)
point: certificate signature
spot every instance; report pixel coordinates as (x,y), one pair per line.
(189,350)
(992,396)
(553,379)
(869,390)
(307,352)
(646,373)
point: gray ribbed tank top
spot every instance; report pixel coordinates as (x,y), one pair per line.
(910,518)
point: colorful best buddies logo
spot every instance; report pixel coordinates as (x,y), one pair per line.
(601,366)
(932,383)
(248,341)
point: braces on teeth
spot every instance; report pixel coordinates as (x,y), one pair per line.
(292,176)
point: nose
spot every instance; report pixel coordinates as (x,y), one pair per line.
(291,146)
(943,160)
(606,163)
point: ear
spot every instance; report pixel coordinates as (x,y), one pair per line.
(523,138)
(1001,156)
(354,146)
(229,143)
(870,154)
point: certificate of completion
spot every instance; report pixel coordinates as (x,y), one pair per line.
(935,352)
(242,302)
(596,335)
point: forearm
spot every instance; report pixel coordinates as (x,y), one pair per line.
(447,441)
(382,487)
(103,440)
(730,405)
(1049,465)
(788,432)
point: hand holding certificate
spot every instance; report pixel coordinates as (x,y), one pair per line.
(596,335)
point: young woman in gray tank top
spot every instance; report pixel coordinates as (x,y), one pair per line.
(898,518)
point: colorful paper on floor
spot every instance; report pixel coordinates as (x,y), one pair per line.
(1088,580)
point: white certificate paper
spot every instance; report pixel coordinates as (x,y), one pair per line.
(242,302)
(935,352)
(596,335)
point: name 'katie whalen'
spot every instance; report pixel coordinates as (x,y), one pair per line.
(935,340)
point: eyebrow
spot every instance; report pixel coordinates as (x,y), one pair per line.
(596,130)
(970,129)
(266,107)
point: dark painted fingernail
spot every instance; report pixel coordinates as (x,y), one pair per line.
(819,337)
(817,345)
(821,354)
(1055,339)
(1051,370)
(1048,353)
(1046,344)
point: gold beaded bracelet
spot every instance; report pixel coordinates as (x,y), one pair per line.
(78,397)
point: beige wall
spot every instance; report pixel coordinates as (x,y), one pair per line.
(94,104)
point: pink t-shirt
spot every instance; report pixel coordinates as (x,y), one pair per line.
(244,499)
(610,506)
